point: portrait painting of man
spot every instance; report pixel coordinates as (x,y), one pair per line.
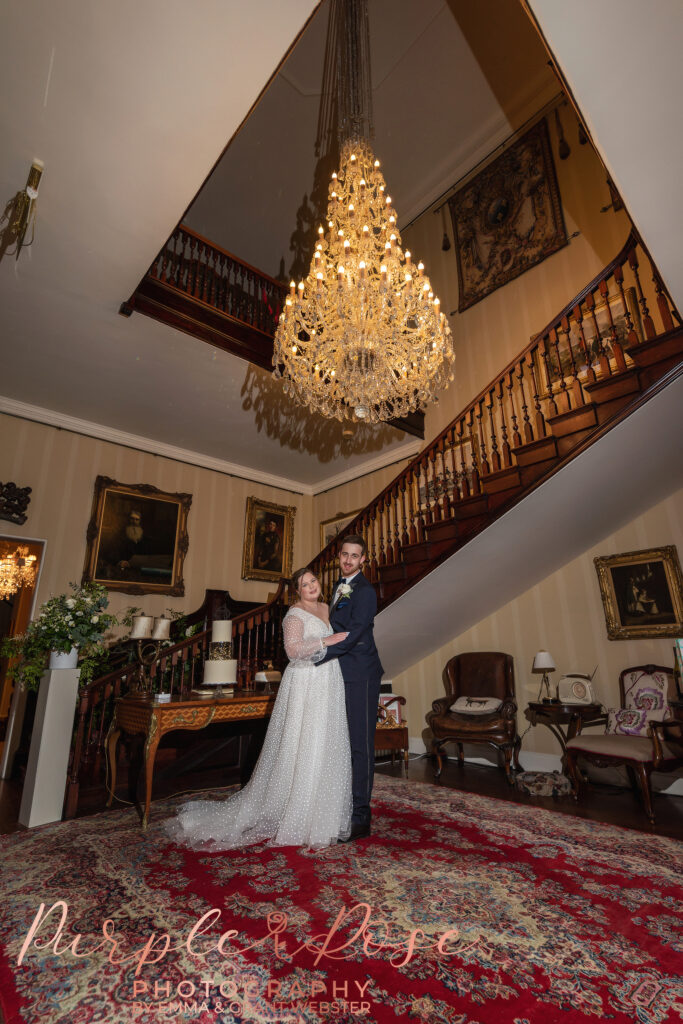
(268,539)
(138,538)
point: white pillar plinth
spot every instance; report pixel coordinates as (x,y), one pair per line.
(43,796)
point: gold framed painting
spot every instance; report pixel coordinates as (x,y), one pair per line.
(268,541)
(137,538)
(331,528)
(642,593)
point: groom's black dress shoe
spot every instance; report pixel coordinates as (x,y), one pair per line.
(358,831)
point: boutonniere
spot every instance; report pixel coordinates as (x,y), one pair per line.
(345,590)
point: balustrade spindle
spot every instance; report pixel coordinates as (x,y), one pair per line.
(380,524)
(473,468)
(614,341)
(436,487)
(495,454)
(180,271)
(577,313)
(554,343)
(540,425)
(455,492)
(444,495)
(463,476)
(507,454)
(528,428)
(603,359)
(413,530)
(405,539)
(576,389)
(394,493)
(662,303)
(648,325)
(486,469)
(544,351)
(373,544)
(510,385)
(631,336)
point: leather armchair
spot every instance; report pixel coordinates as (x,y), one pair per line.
(477,675)
(659,747)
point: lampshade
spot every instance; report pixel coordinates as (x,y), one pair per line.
(543,662)
(142,627)
(162,628)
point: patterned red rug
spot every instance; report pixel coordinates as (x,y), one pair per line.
(458,909)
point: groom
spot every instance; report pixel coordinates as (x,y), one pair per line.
(353,609)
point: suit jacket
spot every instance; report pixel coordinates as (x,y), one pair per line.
(355,615)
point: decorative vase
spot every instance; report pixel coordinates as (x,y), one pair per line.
(60,660)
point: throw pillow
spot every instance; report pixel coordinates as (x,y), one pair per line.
(476,705)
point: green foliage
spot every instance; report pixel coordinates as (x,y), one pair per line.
(71,620)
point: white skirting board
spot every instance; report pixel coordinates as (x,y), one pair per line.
(531,761)
(42,799)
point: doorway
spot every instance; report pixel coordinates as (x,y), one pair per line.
(15,614)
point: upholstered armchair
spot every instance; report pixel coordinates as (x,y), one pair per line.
(642,734)
(480,707)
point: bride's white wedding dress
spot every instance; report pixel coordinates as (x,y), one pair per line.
(300,791)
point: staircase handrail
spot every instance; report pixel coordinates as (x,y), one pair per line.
(355,525)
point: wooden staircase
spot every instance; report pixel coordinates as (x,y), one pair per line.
(612,348)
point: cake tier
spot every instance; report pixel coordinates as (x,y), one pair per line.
(223,671)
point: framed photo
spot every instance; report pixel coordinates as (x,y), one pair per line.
(642,593)
(137,538)
(331,528)
(268,541)
(561,368)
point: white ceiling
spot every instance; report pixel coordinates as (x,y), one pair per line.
(129,105)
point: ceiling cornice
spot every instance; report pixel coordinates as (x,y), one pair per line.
(52,418)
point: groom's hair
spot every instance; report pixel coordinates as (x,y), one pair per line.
(355,538)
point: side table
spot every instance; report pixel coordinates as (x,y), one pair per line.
(555,715)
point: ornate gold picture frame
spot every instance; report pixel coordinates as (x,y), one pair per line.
(268,541)
(137,538)
(642,593)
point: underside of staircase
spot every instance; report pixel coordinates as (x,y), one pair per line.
(656,365)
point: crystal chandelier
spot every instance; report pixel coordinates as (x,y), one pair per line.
(17,570)
(363,334)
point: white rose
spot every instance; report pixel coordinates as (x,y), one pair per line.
(95,618)
(70,602)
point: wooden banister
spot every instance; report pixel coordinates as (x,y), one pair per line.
(547,379)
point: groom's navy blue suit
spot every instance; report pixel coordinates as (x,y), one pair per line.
(362,671)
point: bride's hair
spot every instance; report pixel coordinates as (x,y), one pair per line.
(296,577)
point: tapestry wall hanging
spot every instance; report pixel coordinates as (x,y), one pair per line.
(508,218)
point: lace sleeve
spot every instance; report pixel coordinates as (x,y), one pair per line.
(300,651)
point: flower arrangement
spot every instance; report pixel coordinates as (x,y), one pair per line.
(344,590)
(75,620)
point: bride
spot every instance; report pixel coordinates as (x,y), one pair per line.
(300,790)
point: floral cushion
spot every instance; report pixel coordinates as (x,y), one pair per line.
(647,692)
(633,721)
(476,705)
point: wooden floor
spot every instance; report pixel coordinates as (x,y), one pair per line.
(609,804)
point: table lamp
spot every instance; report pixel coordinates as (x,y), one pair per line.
(543,663)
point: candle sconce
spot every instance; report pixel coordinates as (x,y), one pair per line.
(150,634)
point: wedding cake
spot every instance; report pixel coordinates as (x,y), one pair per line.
(220,668)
